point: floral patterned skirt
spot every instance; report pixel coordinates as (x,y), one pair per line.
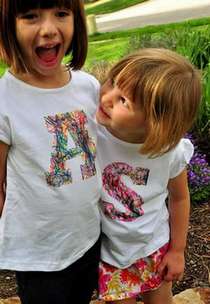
(142,276)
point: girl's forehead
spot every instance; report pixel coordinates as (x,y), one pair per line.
(21,6)
(111,83)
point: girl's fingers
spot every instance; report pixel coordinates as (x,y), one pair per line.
(173,277)
(161,268)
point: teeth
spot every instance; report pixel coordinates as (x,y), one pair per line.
(48,46)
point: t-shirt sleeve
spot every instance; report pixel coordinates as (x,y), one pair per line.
(183,152)
(5,132)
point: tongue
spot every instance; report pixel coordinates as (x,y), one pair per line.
(47,54)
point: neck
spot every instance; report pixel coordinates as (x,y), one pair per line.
(130,138)
(46,82)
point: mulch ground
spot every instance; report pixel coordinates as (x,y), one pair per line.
(197,272)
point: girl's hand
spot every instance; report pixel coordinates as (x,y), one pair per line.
(172,266)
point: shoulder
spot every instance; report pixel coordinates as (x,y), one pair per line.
(181,156)
(86,87)
(3,84)
(5,90)
(9,85)
(86,78)
(184,149)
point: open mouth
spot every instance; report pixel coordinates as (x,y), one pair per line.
(48,54)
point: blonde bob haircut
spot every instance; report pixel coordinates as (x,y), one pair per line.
(10,51)
(167,87)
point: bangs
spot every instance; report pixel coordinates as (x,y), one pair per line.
(128,80)
(22,6)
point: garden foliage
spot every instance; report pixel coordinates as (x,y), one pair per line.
(198,175)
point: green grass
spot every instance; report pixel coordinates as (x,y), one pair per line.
(150,29)
(110,6)
(112,46)
(106,51)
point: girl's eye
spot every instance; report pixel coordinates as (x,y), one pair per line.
(63,13)
(124,102)
(29,16)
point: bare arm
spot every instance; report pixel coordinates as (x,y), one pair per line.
(3,161)
(179,209)
(172,265)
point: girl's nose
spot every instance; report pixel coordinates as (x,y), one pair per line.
(107,99)
(48,28)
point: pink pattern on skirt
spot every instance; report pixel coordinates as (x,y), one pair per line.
(142,276)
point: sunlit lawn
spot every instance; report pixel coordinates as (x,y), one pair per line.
(109,6)
(107,50)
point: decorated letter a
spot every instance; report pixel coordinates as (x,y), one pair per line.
(61,126)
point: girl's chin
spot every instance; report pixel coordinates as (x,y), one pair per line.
(47,70)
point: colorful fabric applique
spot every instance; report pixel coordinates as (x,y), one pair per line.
(115,187)
(61,126)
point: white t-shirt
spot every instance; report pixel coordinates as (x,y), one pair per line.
(133,209)
(51,216)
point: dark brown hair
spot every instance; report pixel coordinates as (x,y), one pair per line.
(10,52)
(167,87)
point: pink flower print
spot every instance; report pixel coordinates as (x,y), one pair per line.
(108,268)
(104,279)
(141,264)
(129,277)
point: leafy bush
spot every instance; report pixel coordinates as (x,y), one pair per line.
(202,125)
(195,45)
(145,40)
(191,43)
(199,179)
(199,176)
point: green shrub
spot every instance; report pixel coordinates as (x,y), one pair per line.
(198,174)
(191,43)
(202,125)
(195,45)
